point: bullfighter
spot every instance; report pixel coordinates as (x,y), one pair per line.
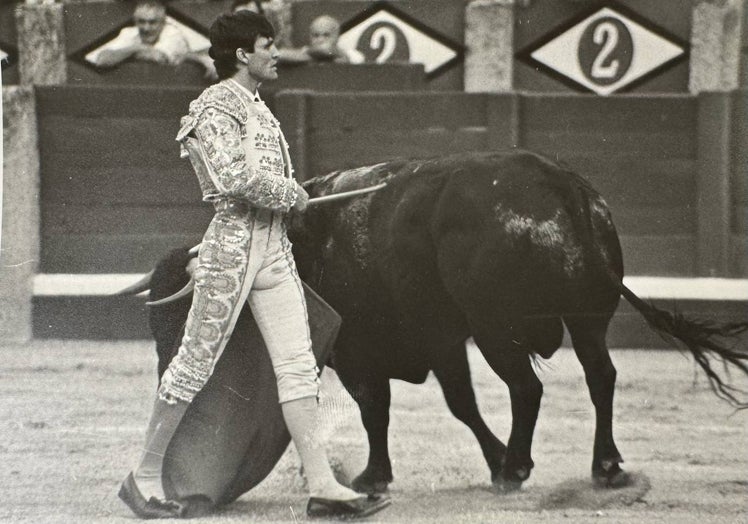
(241,160)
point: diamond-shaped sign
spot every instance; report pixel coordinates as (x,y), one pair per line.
(385,34)
(606,51)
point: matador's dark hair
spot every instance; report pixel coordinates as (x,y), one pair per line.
(236,31)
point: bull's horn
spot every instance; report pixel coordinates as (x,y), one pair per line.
(193,250)
(186,290)
(144,284)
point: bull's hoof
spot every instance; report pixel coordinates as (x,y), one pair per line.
(503,485)
(613,477)
(509,482)
(366,484)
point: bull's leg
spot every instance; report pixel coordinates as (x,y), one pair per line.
(453,372)
(373,400)
(525,391)
(589,344)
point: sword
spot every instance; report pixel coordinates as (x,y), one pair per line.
(323,200)
(345,194)
(312,201)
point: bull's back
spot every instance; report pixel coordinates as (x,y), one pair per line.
(519,235)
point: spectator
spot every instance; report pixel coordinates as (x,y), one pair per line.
(324,32)
(153,38)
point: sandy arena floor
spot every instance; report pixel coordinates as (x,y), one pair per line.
(73,413)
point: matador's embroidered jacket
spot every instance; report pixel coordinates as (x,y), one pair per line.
(237,149)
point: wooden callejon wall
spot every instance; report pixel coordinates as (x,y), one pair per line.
(739,185)
(640,153)
(115,194)
(665,163)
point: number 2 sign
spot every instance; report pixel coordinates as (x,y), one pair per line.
(385,34)
(605,51)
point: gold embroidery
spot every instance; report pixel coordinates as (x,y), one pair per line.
(220,121)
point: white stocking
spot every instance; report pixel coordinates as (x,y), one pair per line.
(161,429)
(303,422)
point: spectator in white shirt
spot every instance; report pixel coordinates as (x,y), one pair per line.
(153,38)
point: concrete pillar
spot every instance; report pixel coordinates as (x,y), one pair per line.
(19,243)
(715,45)
(489,39)
(41,44)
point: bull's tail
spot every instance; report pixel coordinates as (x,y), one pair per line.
(707,341)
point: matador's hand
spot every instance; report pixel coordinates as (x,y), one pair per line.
(302,199)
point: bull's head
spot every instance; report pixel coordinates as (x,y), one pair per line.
(171,274)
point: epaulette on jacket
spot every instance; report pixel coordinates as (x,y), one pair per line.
(222,98)
(217,96)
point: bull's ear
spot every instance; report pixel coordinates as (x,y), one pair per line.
(144,284)
(310,186)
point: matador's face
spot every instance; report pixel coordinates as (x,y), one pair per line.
(262,64)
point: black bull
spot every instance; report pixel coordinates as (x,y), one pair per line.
(506,247)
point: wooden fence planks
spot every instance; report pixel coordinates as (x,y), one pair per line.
(108,253)
(115,195)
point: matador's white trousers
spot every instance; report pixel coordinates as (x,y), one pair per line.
(245,256)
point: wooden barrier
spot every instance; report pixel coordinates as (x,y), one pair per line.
(663,162)
(640,154)
(318,76)
(739,185)
(115,195)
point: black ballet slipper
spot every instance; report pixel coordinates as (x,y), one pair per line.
(152,508)
(346,509)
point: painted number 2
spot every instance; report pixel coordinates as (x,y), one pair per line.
(383,42)
(605,34)
(605,50)
(383,39)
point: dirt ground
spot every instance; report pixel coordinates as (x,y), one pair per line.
(73,413)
